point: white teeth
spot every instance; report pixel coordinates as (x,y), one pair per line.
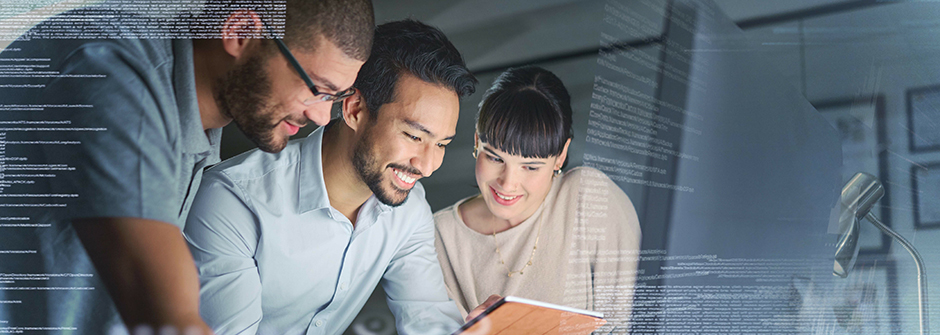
(505,198)
(404,178)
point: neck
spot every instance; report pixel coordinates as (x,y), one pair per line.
(477,216)
(346,191)
(500,225)
(205,65)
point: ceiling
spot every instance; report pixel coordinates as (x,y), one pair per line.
(495,32)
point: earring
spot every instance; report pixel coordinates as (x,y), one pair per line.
(475,152)
(557,173)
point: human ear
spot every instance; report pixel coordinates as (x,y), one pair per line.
(476,145)
(355,113)
(560,160)
(240,31)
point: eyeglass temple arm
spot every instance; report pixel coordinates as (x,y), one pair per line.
(290,58)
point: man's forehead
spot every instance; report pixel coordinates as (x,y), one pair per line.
(324,82)
(428,107)
(328,66)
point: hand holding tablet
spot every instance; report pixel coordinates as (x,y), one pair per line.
(512,315)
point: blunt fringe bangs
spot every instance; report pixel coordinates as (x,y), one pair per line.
(526,112)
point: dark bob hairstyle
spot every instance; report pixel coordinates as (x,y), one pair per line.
(526,112)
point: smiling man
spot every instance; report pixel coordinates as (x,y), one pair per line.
(295,242)
(156,107)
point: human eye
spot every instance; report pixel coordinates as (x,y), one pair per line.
(326,97)
(531,168)
(412,137)
(442,145)
(494,158)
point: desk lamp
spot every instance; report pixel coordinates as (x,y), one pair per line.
(858,197)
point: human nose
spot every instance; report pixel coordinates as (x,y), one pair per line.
(319,112)
(508,178)
(427,160)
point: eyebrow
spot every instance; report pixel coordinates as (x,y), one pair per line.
(500,157)
(418,126)
(329,85)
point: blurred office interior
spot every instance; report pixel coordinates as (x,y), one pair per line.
(869,69)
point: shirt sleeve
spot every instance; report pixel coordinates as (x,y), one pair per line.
(414,285)
(126,163)
(222,234)
(614,262)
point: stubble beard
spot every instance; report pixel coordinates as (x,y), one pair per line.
(243,95)
(369,171)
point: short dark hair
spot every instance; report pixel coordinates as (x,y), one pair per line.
(526,112)
(348,24)
(409,46)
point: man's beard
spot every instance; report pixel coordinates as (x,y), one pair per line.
(371,173)
(243,94)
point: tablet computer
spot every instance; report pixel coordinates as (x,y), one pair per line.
(513,315)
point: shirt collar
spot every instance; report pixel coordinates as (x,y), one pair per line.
(195,139)
(311,187)
(312,194)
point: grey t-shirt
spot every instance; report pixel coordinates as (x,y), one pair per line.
(118,135)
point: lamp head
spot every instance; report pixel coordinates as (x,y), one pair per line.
(859,195)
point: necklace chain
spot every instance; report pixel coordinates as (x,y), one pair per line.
(509,272)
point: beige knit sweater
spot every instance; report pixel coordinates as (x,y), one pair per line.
(586,257)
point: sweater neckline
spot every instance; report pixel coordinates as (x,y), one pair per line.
(517,229)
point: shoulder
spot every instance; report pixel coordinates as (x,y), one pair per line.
(256,164)
(258,179)
(581,172)
(583,177)
(446,214)
(49,36)
(447,217)
(592,189)
(450,216)
(241,190)
(117,77)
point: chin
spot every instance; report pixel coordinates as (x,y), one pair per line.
(273,147)
(500,212)
(391,195)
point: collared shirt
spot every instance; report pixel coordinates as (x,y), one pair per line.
(135,148)
(139,147)
(275,258)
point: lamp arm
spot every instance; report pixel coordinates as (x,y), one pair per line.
(921,273)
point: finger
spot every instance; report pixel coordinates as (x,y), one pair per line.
(491,300)
(482,307)
(475,312)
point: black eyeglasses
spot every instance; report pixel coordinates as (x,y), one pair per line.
(317,95)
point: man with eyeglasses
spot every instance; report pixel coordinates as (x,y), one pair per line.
(147,120)
(295,242)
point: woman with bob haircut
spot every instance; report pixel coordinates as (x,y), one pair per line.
(534,232)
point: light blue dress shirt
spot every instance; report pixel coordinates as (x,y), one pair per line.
(275,258)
